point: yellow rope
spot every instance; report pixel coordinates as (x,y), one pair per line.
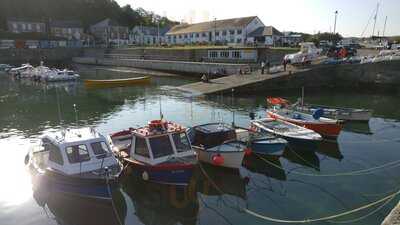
(326,218)
(352,173)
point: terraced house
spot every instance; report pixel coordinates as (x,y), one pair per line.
(229,31)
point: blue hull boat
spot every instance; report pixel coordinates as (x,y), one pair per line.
(268,145)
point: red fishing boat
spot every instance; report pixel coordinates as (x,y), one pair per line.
(324,126)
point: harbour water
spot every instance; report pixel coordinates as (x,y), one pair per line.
(300,191)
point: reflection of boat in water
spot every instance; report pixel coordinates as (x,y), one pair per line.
(228,181)
(163,204)
(71,210)
(330,149)
(268,165)
(357,127)
(117,82)
(304,157)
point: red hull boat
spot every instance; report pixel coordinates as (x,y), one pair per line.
(326,127)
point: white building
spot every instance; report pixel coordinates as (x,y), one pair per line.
(144,35)
(229,31)
(266,35)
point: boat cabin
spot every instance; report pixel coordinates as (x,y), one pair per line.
(159,142)
(213,134)
(74,152)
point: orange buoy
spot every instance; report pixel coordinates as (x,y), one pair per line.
(218,160)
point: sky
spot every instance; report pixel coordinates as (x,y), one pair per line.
(310,16)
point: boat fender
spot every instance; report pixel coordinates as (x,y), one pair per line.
(318,113)
(247,151)
(145,176)
(218,159)
(26,159)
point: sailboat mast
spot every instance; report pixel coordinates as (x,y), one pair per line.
(375,18)
(384,27)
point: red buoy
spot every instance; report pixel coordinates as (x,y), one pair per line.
(218,160)
(247,152)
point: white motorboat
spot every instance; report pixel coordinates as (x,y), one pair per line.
(61,75)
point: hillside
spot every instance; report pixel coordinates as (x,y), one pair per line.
(86,11)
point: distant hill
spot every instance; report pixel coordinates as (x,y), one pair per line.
(86,11)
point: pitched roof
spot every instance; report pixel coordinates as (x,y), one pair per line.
(211,25)
(66,23)
(107,23)
(153,31)
(265,31)
(14,19)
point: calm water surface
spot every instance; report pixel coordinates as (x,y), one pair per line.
(28,110)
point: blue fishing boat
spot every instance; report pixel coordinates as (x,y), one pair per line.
(261,143)
(76,162)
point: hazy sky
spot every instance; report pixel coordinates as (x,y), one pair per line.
(286,15)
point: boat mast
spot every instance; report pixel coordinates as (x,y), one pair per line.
(375,18)
(384,27)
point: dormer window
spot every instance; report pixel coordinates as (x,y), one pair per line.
(161,146)
(77,154)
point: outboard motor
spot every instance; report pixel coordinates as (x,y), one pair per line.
(318,113)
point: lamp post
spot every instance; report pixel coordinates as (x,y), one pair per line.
(334,27)
(215,31)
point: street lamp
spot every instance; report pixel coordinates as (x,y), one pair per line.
(334,27)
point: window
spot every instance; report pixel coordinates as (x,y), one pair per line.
(232,32)
(197,35)
(141,147)
(161,146)
(185,36)
(236,54)
(181,142)
(100,149)
(23,26)
(224,33)
(180,36)
(29,26)
(224,54)
(217,33)
(232,40)
(77,154)
(239,31)
(191,35)
(213,54)
(239,40)
(204,34)
(54,153)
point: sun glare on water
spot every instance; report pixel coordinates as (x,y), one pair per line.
(16,187)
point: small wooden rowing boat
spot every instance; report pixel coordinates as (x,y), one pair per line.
(294,134)
(117,82)
(324,126)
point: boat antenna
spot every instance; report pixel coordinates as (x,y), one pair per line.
(76,114)
(233,110)
(161,114)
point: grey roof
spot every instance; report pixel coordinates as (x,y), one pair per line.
(107,23)
(66,24)
(265,31)
(211,25)
(153,31)
(14,19)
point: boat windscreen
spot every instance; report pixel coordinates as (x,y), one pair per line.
(161,146)
(181,142)
(100,149)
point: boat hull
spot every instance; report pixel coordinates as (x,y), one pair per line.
(263,147)
(330,130)
(231,159)
(117,82)
(340,114)
(53,182)
(174,174)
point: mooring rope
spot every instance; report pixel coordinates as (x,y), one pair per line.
(112,200)
(326,218)
(393,164)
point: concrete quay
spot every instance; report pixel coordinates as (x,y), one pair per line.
(192,68)
(394,216)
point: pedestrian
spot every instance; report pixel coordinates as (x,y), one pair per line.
(284,64)
(262,67)
(268,66)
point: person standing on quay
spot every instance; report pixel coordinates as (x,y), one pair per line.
(262,67)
